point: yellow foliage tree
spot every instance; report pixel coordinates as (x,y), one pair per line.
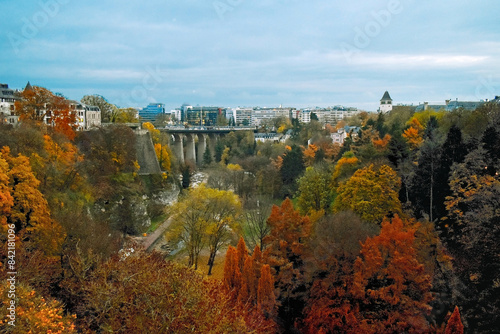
(371,193)
(163,154)
(205,218)
(30,212)
(345,167)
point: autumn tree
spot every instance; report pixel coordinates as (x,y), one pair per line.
(414,133)
(41,105)
(310,154)
(266,300)
(371,193)
(454,325)
(205,218)
(109,155)
(126,115)
(63,118)
(334,246)
(389,282)
(162,150)
(29,212)
(255,222)
(284,254)
(250,284)
(472,230)
(144,293)
(59,168)
(34,104)
(232,272)
(34,313)
(344,168)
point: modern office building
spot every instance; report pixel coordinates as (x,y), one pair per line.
(199,115)
(151,112)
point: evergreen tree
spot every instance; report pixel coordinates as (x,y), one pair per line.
(219,149)
(207,157)
(291,168)
(452,151)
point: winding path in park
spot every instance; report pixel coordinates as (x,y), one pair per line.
(149,241)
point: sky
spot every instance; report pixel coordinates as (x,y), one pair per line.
(263,53)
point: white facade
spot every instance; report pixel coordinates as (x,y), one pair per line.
(7,100)
(242,116)
(385,103)
(332,115)
(261,114)
(339,136)
(87,117)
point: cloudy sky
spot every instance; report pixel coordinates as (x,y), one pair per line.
(254,52)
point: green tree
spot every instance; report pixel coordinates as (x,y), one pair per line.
(207,157)
(423,183)
(315,193)
(291,168)
(126,115)
(108,111)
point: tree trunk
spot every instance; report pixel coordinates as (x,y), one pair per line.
(211,261)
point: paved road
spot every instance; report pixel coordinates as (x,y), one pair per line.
(150,240)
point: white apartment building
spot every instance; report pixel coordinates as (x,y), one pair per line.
(87,116)
(7,100)
(261,114)
(242,116)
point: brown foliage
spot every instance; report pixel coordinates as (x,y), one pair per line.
(142,293)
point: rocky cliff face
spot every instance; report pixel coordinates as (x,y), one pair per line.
(146,156)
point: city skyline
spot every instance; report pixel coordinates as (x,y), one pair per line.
(259,53)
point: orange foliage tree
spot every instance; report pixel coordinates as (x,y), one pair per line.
(310,154)
(414,134)
(381,143)
(454,325)
(243,278)
(389,283)
(34,313)
(284,255)
(29,211)
(266,300)
(41,105)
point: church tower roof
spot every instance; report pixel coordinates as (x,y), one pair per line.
(386,97)
(28,86)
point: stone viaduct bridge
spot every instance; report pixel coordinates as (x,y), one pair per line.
(190,144)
